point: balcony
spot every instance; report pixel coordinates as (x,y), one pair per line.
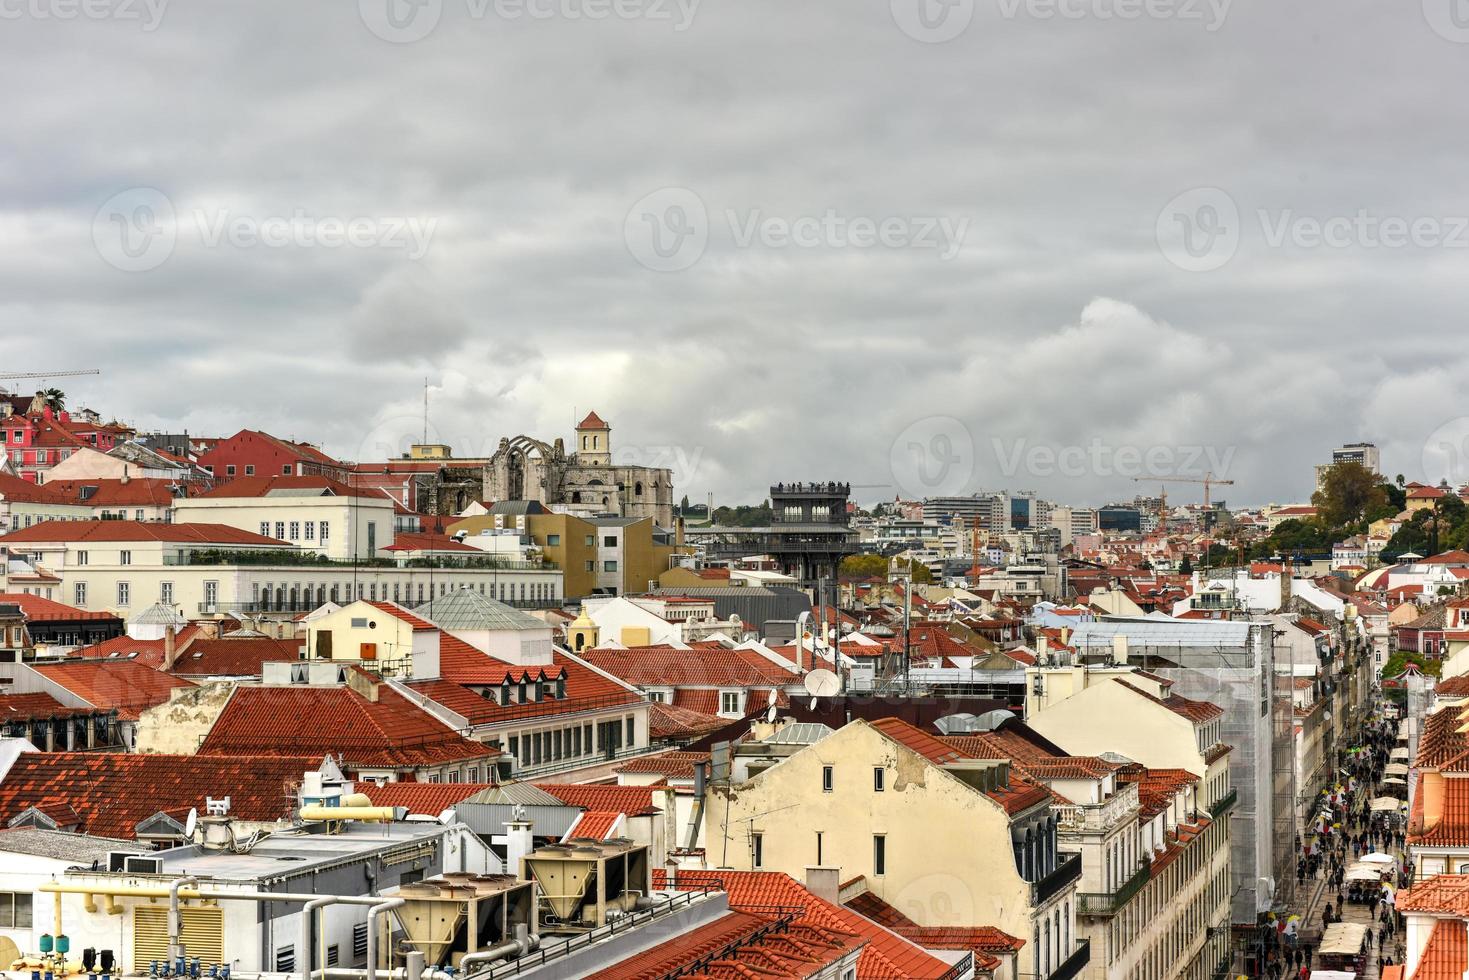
(1224,804)
(1075,963)
(1100,817)
(1110,903)
(1068,870)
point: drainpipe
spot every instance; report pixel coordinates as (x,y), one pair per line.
(523,943)
(175,920)
(304,947)
(372,915)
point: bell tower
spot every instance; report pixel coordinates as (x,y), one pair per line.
(593,442)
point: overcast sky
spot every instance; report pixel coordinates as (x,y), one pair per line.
(1047,244)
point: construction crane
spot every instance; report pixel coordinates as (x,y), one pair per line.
(1208,481)
(48,374)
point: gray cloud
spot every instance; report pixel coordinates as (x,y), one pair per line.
(526,142)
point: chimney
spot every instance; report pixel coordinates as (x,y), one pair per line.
(170,647)
(518,844)
(1043,650)
(1285,584)
(125,476)
(824,883)
(1433,793)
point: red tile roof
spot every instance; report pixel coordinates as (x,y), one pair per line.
(632,800)
(111,792)
(671,721)
(125,686)
(983,941)
(886,955)
(389,733)
(429,799)
(670,765)
(234,656)
(1020,795)
(596,825)
(78,531)
(1447,955)
(412,541)
(36,707)
(734,947)
(461,667)
(39,610)
(146,652)
(1194,711)
(112,493)
(261,486)
(418,623)
(592,421)
(664,666)
(1452,830)
(1439,895)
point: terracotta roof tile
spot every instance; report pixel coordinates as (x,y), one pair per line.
(75,531)
(596,825)
(111,792)
(39,610)
(234,656)
(124,686)
(430,799)
(391,732)
(1445,957)
(632,800)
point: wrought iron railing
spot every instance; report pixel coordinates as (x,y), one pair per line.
(1075,963)
(1110,903)
(1224,804)
(1068,869)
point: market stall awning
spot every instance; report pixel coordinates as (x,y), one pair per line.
(1387,804)
(1395,769)
(1400,752)
(1342,939)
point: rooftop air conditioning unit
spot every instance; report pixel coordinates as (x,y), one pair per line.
(142,864)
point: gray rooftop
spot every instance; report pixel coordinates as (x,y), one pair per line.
(159,615)
(800,733)
(77,848)
(288,855)
(465,609)
(1160,632)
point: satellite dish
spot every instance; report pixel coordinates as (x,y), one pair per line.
(822,683)
(771,714)
(191,822)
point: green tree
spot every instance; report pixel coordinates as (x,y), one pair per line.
(1349,491)
(864,566)
(55,399)
(1186,567)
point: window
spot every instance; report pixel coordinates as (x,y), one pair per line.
(80,594)
(609,541)
(295,534)
(229,469)
(609,566)
(124,594)
(81,557)
(657,697)
(310,530)
(286,470)
(165,593)
(591,541)
(15,910)
(553,541)
(729,702)
(211,593)
(591,566)
(628,726)
(819,842)
(828,774)
(138,514)
(249,469)
(124,557)
(323,531)
(878,774)
(879,854)
(265,529)
(757,850)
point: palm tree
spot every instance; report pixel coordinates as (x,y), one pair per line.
(55,399)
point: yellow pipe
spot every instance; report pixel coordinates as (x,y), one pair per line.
(365,814)
(56,917)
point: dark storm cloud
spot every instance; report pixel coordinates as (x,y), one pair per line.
(337,215)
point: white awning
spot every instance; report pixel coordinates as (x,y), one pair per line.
(1401,752)
(1342,939)
(1395,769)
(1387,804)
